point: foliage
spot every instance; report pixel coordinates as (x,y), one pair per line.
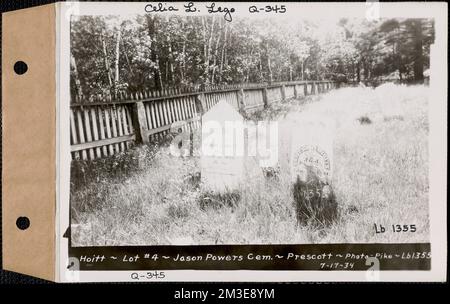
(110,54)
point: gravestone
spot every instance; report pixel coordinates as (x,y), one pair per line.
(311,168)
(311,147)
(222,150)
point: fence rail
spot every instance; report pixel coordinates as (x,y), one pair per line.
(104,127)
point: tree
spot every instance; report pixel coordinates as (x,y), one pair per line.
(110,54)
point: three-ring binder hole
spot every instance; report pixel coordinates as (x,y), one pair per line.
(20,67)
(23,222)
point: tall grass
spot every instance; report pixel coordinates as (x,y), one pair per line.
(380,176)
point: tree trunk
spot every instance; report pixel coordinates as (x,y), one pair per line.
(358,71)
(353,71)
(366,70)
(261,76)
(171,69)
(166,72)
(207,47)
(222,56)
(303,69)
(76,78)
(183,63)
(116,65)
(106,60)
(399,64)
(154,53)
(127,59)
(183,57)
(418,50)
(269,68)
(160,85)
(216,51)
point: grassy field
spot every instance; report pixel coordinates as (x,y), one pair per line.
(380,175)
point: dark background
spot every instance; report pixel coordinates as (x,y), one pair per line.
(7,277)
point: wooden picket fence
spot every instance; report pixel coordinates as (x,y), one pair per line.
(105,127)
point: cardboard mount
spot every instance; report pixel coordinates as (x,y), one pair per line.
(29,134)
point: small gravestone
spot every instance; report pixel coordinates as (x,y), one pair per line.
(311,167)
(222,150)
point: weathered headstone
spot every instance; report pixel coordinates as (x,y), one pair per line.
(312,147)
(311,168)
(222,152)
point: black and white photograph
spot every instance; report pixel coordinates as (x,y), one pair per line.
(325,121)
(225,142)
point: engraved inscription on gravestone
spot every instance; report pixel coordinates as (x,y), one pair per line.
(312,149)
(311,165)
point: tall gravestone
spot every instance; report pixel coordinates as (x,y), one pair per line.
(311,169)
(222,150)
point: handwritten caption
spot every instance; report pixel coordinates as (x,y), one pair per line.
(347,259)
(211,8)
